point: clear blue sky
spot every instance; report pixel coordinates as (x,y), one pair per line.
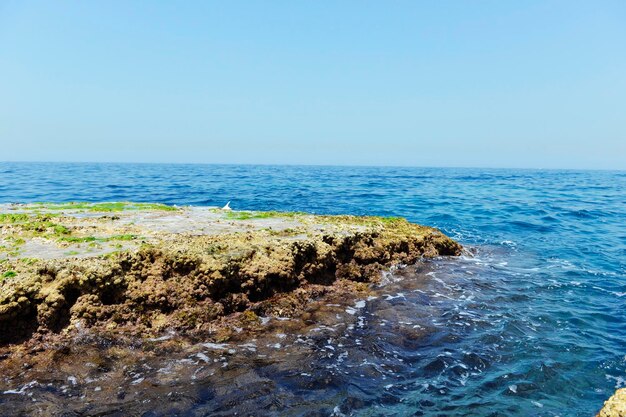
(538,84)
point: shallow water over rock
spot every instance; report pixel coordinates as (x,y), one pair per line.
(337,345)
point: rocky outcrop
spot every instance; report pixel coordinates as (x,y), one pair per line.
(162,279)
(615,406)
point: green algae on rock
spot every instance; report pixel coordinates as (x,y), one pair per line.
(150,268)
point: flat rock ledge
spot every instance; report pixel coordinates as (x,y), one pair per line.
(139,269)
(615,406)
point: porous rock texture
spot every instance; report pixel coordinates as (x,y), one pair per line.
(615,406)
(144,270)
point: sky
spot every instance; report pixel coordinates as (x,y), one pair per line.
(519,84)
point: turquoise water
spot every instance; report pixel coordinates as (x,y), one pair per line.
(530,322)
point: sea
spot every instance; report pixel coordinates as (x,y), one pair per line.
(530,321)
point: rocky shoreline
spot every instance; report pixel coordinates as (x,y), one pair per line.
(92,295)
(137,271)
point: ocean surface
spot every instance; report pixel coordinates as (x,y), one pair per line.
(530,322)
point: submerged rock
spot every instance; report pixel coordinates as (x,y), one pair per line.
(142,269)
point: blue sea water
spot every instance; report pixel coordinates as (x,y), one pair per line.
(532,323)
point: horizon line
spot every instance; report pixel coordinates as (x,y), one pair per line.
(312,165)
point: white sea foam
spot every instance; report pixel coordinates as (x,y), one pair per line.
(619,381)
(390,297)
(23,389)
(216,346)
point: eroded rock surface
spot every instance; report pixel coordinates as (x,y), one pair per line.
(615,406)
(143,269)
